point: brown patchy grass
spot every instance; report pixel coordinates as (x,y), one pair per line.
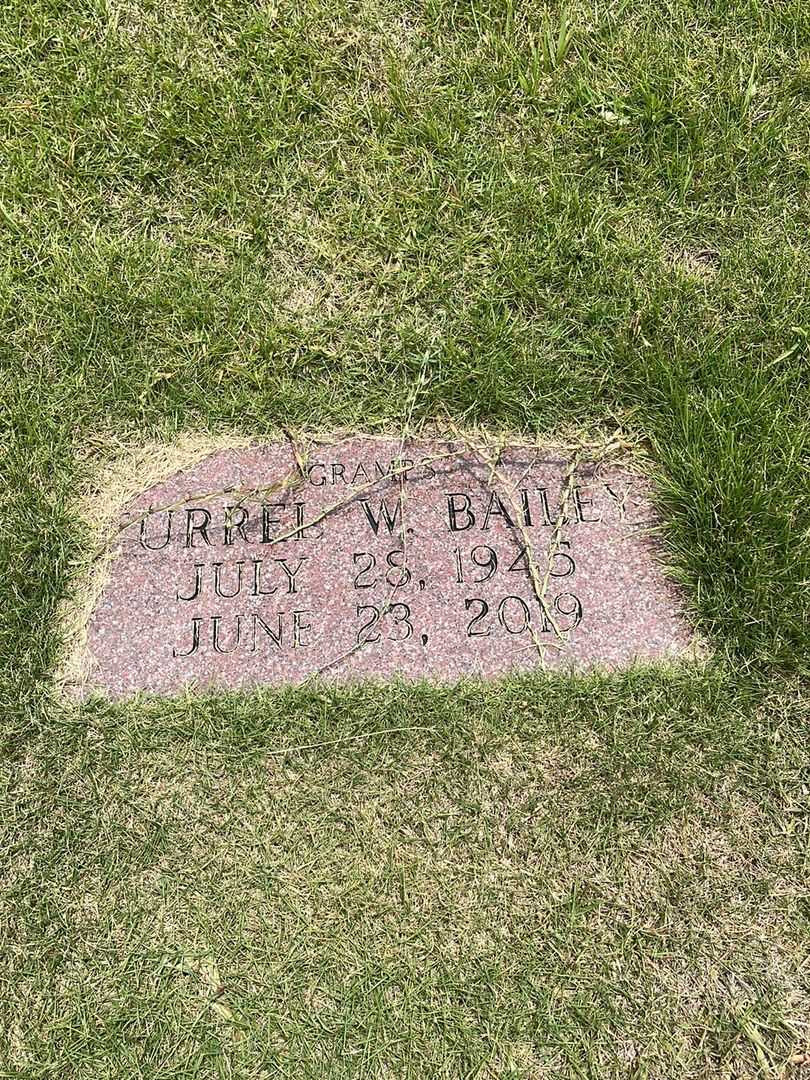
(483,871)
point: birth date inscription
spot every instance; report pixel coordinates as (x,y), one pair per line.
(376,559)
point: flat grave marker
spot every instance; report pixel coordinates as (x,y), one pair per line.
(374,558)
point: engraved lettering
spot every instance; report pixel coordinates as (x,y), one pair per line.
(143,538)
(368,625)
(398,573)
(383,514)
(276,636)
(300,528)
(382,538)
(454,511)
(524,502)
(496,507)
(581,504)
(292,573)
(193,528)
(483,609)
(485,558)
(300,628)
(562,564)
(218,580)
(459,567)
(196,623)
(268,521)
(321,477)
(398,622)
(513,614)
(403,627)
(366,561)
(257,582)
(236,518)
(572,608)
(620,499)
(216,639)
(521,563)
(198,569)
(543,494)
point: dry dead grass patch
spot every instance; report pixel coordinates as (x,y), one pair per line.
(114,473)
(306,882)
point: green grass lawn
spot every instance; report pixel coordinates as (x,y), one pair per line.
(238,217)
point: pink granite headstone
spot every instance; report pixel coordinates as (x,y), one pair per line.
(373,560)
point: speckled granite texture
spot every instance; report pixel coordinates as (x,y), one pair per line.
(423,573)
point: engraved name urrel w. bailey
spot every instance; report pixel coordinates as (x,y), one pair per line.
(370,560)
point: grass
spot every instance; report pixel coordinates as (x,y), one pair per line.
(238,216)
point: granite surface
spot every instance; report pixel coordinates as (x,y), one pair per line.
(370,560)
